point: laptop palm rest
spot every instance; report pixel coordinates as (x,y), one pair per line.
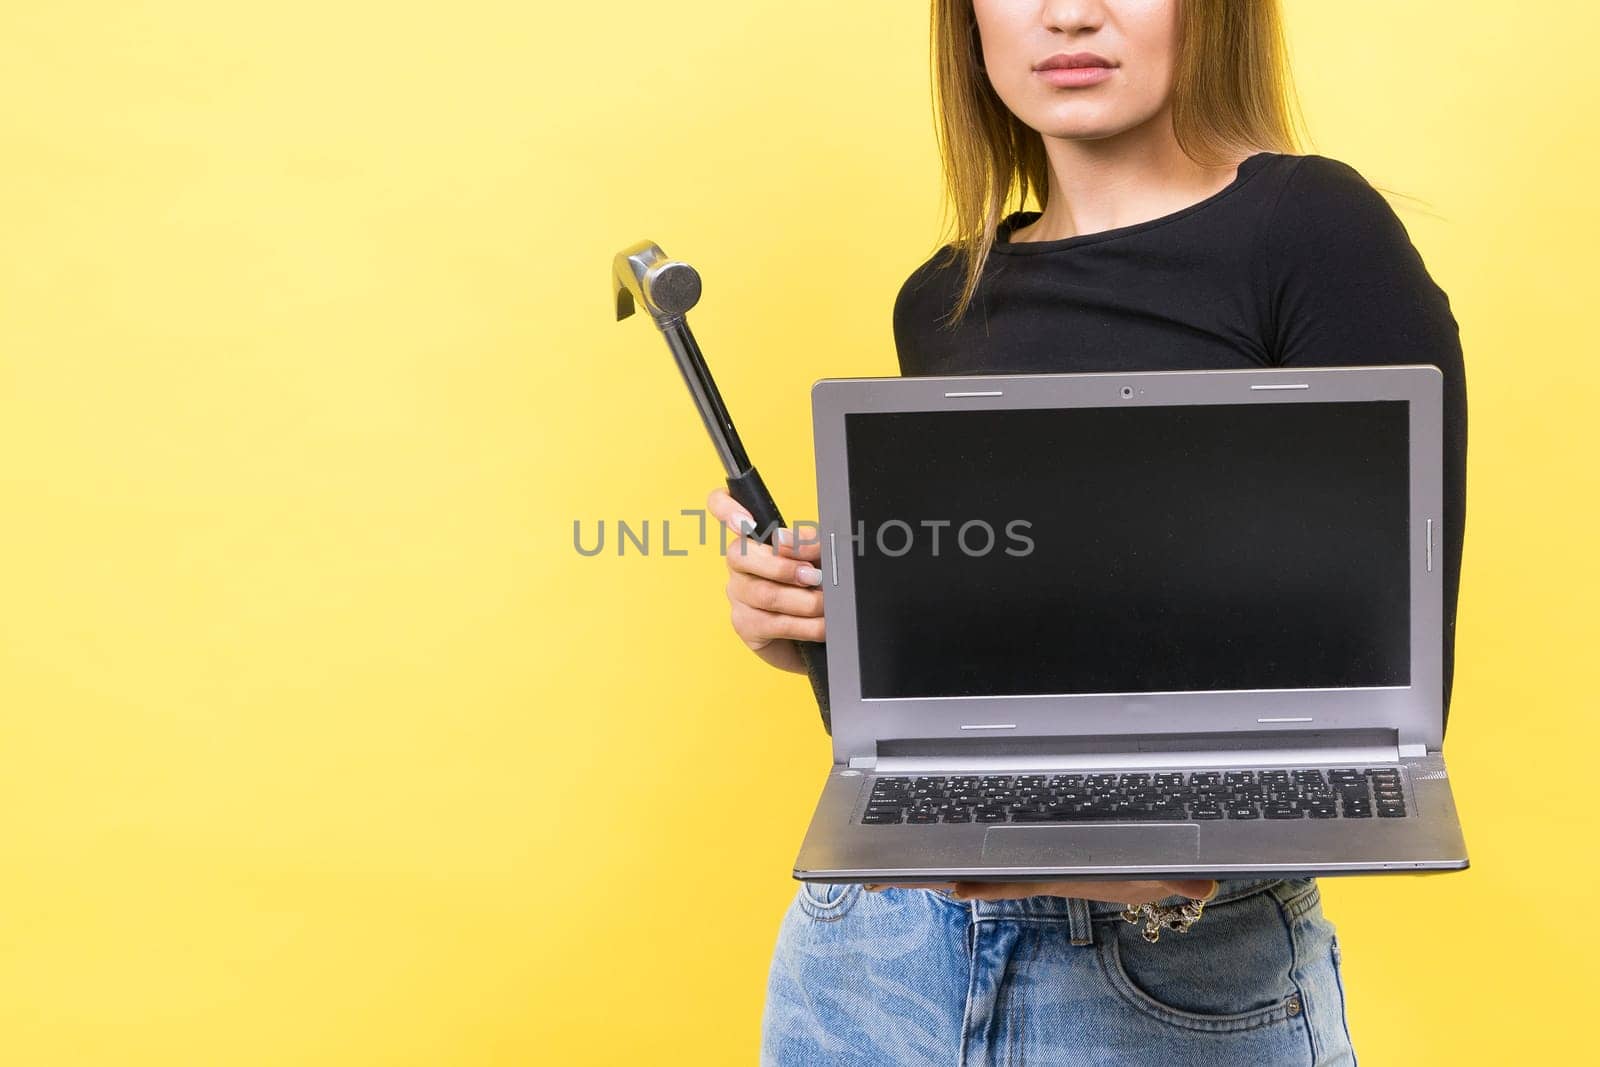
(1065,846)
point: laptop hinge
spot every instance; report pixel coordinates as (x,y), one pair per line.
(1175,761)
(1321,748)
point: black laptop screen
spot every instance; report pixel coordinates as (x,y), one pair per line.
(1138,549)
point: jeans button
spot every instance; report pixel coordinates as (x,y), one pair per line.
(1293,1006)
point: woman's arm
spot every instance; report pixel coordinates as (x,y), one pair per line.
(1344,285)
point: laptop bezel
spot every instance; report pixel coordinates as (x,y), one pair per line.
(1414,712)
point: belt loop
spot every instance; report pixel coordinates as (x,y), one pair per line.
(1080,923)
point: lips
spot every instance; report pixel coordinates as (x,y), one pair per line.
(1066,61)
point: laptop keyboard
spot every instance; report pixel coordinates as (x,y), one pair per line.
(1346,793)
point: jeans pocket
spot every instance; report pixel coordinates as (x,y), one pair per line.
(828,901)
(1231,971)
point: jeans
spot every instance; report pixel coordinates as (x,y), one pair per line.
(913,976)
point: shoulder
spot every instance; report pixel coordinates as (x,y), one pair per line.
(923,304)
(1328,218)
(1317,177)
(1341,273)
(930,286)
(1323,205)
(932,271)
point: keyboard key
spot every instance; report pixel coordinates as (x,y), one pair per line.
(1097,815)
(1274,793)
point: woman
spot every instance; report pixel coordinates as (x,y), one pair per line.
(1178,230)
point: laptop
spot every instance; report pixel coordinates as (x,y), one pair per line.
(1132,625)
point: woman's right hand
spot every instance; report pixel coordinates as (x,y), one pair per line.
(775,589)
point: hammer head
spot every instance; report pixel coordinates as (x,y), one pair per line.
(642,274)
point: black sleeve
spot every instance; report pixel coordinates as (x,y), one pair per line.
(904,333)
(1347,286)
(917,312)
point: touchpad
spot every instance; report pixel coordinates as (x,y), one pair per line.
(1067,846)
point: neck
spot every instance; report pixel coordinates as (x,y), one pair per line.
(1104,183)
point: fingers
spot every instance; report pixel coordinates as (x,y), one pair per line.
(1017,890)
(1196,888)
(878,887)
(773,590)
(1132,893)
(763,561)
(775,596)
(1129,893)
(722,505)
(803,541)
(759,628)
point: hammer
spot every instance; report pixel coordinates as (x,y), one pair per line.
(642,275)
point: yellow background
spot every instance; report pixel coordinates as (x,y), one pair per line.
(320,744)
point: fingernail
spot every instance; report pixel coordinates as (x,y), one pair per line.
(784,536)
(743,525)
(808,574)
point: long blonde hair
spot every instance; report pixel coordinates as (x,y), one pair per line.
(1232,96)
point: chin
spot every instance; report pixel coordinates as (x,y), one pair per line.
(1076,131)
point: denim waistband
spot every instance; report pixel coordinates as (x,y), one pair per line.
(1079,915)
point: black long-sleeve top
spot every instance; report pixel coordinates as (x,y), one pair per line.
(1298,262)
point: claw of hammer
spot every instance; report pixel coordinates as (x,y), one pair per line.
(643,275)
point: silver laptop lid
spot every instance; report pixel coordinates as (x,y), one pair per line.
(1090,555)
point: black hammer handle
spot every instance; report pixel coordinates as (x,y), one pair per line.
(749,490)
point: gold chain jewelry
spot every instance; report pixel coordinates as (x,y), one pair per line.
(1155,917)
